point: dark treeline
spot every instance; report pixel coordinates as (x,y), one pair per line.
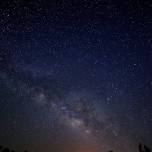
(6,149)
(141,148)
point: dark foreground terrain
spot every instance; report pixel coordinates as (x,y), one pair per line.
(141,148)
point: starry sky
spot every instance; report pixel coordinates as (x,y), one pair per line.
(75,76)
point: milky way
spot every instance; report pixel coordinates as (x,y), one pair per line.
(75,75)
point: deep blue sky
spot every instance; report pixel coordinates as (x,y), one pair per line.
(75,75)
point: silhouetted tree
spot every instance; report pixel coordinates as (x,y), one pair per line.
(6,150)
(140,148)
(147,149)
(143,148)
(1,147)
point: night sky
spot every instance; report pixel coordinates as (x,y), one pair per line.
(75,76)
